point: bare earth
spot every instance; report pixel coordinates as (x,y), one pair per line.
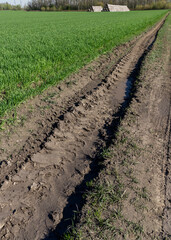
(56,137)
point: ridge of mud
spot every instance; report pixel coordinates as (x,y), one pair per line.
(63,160)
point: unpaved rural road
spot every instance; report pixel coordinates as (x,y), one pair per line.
(40,175)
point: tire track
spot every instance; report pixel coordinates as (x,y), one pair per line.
(35,193)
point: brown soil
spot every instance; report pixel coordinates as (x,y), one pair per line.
(50,151)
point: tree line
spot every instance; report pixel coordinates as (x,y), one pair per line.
(7,6)
(79,5)
(59,5)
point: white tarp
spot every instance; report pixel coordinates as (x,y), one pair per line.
(116,8)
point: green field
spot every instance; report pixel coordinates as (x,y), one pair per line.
(39,49)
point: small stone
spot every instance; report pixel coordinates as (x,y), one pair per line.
(33,186)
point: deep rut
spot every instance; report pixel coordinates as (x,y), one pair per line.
(34,194)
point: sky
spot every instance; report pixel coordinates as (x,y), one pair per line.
(14,2)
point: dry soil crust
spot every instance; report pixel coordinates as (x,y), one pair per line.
(37,177)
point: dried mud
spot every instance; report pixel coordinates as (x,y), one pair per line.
(43,161)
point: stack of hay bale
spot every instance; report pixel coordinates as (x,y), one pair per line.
(109,8)
(115,8)
(96,9)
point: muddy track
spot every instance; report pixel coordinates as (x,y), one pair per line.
(35,188)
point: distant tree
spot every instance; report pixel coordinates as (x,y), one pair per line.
(7,6)
(53,8)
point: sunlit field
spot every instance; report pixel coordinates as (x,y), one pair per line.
(39,49)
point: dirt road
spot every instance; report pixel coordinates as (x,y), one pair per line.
(41,171)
